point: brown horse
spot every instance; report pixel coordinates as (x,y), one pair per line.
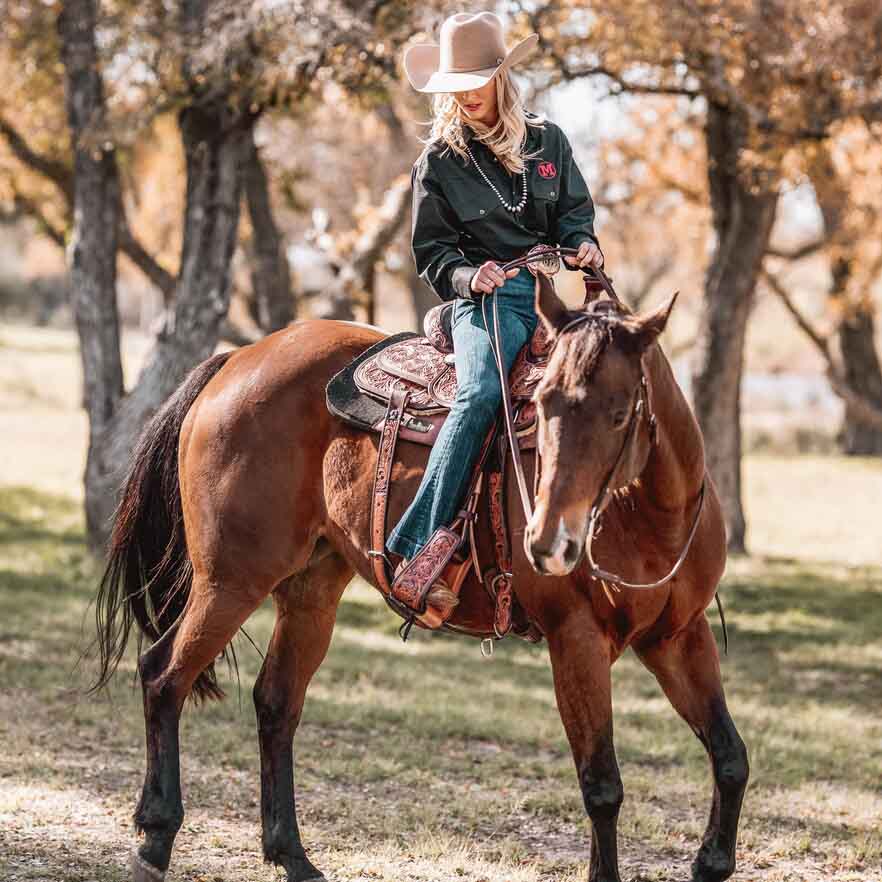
(244,486)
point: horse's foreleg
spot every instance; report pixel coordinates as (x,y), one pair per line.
(688,670)
(581,658)
(168,670)
(306,607)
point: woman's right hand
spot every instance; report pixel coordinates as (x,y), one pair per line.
(489,277)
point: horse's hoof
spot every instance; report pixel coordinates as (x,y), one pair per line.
(712,865)
(144,872)
(302,870)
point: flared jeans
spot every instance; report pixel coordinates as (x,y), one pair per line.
(445,482)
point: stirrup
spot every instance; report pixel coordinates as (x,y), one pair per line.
(434,563)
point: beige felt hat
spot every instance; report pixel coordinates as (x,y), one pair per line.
(471,50)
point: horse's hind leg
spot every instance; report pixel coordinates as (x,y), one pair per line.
(688,669)
(306,607)
(168,670)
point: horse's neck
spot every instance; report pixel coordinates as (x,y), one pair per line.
(675,469)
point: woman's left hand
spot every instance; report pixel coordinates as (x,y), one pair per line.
(589,255)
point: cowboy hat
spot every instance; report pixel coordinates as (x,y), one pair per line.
(470,53)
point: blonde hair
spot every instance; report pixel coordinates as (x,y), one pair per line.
(506,139)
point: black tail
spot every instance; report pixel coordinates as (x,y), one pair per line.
(149,572)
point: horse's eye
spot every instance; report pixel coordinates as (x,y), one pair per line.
(619,417)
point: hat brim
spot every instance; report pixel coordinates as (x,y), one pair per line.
(421,66)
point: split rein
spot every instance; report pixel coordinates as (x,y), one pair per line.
(640,409)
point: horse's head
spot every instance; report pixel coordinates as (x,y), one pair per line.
(594,422)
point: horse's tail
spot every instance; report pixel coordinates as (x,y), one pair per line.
(149,572)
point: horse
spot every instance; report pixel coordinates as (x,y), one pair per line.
(243,485)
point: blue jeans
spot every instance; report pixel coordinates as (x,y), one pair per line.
(442,491)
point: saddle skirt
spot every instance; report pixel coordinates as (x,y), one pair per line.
(426,368)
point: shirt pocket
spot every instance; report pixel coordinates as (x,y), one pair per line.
(472,203)
(546,189)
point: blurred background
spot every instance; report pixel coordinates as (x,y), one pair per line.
(178,176)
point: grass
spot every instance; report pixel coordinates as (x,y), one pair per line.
(427,762)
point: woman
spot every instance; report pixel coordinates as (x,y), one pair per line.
(492,182)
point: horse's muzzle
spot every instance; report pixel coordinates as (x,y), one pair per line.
(555,557)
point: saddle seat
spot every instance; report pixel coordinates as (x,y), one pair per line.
(426,368)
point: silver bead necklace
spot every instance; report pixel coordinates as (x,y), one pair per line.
(513,208)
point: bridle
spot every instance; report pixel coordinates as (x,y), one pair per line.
(642,409)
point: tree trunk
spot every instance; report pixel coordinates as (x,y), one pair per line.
(270,273)
(214,145)
(93,244)
(861,371)
(743,203)
(863,375)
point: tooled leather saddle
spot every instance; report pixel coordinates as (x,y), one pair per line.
(403,387)
(425,368)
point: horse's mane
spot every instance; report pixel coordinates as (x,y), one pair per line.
(583,354)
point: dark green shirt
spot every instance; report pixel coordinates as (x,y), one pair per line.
(459,222)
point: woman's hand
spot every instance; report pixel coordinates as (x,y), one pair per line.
(490,276)
(589,255)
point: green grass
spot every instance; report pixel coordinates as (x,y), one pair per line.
(426,761)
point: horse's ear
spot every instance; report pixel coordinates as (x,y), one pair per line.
(549,307)
(648,326)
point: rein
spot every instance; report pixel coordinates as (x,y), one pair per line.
(640,409)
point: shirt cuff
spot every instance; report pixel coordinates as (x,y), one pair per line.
(460,281)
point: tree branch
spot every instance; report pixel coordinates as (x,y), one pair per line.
(864,409)
(61,176)
(805,250)
(29,207)
(58,172)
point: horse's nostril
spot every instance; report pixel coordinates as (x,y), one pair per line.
(571,552)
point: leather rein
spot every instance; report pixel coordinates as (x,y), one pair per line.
(641,409)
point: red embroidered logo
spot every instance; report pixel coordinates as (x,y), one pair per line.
(547,169)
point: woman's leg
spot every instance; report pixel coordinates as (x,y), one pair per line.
(445,482)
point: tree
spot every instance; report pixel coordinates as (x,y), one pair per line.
(844,174)
(217,65)
(772,77)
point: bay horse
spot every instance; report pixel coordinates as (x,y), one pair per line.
(244,485)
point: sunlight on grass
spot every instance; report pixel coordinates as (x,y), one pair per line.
(426,761)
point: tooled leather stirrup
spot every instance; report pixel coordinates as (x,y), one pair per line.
(407,594)
(437,558)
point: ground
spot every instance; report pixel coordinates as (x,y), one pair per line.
(426,761)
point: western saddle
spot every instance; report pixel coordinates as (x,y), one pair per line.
(403,388)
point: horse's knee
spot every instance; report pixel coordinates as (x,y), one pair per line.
(271,708)
(602,792)
(731,765)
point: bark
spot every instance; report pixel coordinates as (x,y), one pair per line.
(275,306)
(93,243)
(743,203)
(863,376)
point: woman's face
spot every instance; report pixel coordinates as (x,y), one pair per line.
(479,104)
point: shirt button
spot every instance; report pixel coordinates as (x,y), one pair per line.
(552,192)
(482,211)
